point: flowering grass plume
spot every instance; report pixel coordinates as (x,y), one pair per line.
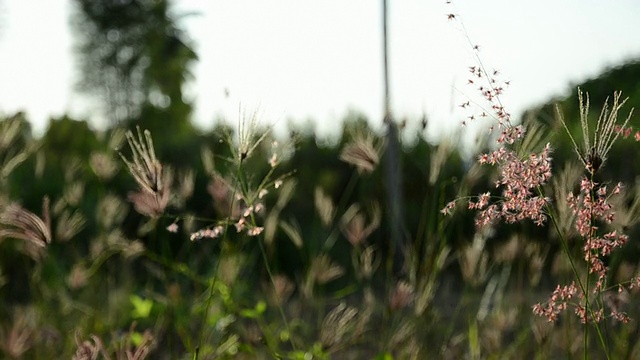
(248,139)
(144,166)
(591,207)
(523,177)
(607,130)
(362,153)
(123,348)
(354,226)
(520,178)
(19,223)
(21,335)
(153,196)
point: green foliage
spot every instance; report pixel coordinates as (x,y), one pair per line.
(258,310)
(384,356)
(141,307)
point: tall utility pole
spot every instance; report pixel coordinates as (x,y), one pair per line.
(393,174)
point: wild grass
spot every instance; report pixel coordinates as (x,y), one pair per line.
(267,249)
(251,282)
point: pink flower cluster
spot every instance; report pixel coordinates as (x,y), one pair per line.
(519,179)
(557,303)
(589,206)
(587,209)
(207,233)
(626,132)
(243,224)
(521,197)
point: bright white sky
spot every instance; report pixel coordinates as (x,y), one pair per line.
(304,59)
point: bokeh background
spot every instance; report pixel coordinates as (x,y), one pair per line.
(337,271)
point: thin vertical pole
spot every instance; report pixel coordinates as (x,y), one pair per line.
(385,50)
(393,168)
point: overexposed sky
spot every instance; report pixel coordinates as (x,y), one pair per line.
(305,59)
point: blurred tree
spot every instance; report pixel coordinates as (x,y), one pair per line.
(133,56)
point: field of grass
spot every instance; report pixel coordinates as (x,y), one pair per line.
(157,241)
(249,279)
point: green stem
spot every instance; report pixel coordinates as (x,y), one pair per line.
(244,188)
(342,203)
(584,290)
(212,282)
(280,309)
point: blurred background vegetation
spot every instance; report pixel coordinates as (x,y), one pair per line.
(109,266)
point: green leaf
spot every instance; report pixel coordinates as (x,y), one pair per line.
(284,335)
(136,338)
(141,307)
(384,356)
(258,310)
(261,306)
(474,340)
(248,313)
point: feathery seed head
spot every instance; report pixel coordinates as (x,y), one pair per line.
(248,140)
(144,167)
(354,226)
(597,145)
(19,223)
(362,153)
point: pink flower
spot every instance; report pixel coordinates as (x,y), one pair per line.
(207,233)
(447,209)
(173,228)
(557,303)
(255,231)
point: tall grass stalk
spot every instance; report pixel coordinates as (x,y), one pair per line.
(583,287)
